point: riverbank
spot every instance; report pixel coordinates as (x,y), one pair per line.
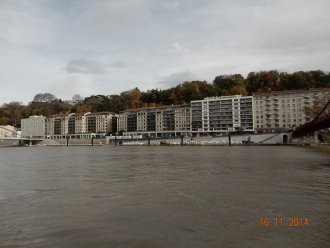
(278,139)
(234,139)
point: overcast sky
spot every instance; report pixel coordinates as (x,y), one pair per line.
(87,47)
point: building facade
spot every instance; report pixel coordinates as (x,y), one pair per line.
(216,115)
(33,127)
(57,126)
(79,125)
(166,121)
(213,116)
(284,110)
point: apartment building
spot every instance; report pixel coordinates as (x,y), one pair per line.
(33,127)
(182,119)
(57,126)
(79,125)
(216,115)
(165,121)
(131,122)
(284,110)
(99,122)
(262,112)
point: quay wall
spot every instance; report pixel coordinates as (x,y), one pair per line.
(80,141)
(9,142)
(258,139)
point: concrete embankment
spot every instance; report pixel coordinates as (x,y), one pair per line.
(247,139)
(72,142)
(9,143)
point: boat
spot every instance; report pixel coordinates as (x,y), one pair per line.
(164,143)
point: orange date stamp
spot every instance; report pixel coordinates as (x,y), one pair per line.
(283,222)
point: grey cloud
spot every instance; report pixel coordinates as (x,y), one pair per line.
(118,64)
(177,78)
(85,66)
(164,42)
(20,25)
(71,84)
(172,5)
(105,20)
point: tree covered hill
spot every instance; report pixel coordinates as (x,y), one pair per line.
(263,81)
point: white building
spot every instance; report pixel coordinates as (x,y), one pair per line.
(33,127)
(284,110)
(215,115)
(122,122)
(7,131)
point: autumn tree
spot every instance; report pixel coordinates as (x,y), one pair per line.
(98,103)
(134,97)
(4,121)
(230,85)
(263,81)
(12,112)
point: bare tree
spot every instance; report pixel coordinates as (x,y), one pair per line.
(44,97)
(77,98)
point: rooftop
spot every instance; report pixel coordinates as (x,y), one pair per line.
(292,91)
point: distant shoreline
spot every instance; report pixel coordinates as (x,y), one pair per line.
(321,146)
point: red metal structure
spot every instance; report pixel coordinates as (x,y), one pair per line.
(321,121)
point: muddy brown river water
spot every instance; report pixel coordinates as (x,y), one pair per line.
(164,197)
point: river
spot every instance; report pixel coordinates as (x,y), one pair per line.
(144,197)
